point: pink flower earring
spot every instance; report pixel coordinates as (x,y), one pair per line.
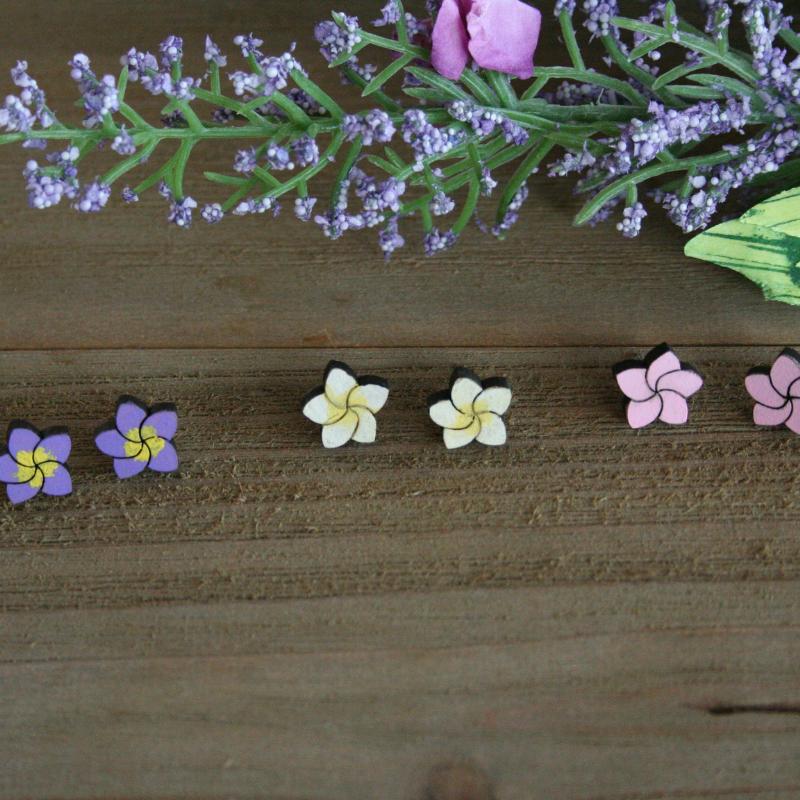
(775,389)
(657,387)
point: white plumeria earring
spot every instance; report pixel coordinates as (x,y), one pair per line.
(345,405)
(471,409)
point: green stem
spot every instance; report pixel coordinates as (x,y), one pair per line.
(570,40)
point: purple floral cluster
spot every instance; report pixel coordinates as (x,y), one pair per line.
(484,121)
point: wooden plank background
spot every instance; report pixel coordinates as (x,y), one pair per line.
(589,613)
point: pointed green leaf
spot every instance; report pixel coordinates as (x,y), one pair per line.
(764,246)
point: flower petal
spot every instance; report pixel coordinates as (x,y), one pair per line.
(660,360)
(793,422)
(59,483)
(683,381)
(495,397)
(465,386)
(319,409)
(460,437)
(164,418)
(444,413)
(111,442)
(366,429)
(760,386)
(22,436)
(633,382)
(130,414)
(766,415)
(166,460)
(57,443)
(785,371)
(641,413)
(341,431)
(674,408)
(20,492)
(493,429)
(503,35)
(8,469)
(128,467)
(371,393)
(449,49)
(340,380)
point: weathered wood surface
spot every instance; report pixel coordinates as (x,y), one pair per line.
(279,620)
(586,614)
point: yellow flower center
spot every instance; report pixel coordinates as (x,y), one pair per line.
(35,466)
(144,445)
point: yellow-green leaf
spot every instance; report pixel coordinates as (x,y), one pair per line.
(763,245)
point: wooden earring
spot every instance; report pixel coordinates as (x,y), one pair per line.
(471,409)
(657,387)
(140,437)
(345,405)
(35,461)
(775,389)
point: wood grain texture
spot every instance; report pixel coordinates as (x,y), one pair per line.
(602,692)
(588,613)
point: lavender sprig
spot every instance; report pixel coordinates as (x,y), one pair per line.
(432,145)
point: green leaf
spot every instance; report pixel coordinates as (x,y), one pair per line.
(763,245)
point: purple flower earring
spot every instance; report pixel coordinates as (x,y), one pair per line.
(35,461)
(140,436)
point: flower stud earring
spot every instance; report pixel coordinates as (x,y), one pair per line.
(657,387)
(345,405)
(35,461)
(140,436)
(471,409)
(775,390)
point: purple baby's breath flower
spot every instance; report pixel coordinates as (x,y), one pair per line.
(223,115)
(441,204)
(305,151)
(303,207)
(123,143)
(180,211)
(276,72)
(251,206)
(44,191)
(427,140)
(245,161)
(175,119)
(336,40)
(93,197)
(249,45)
(244,82)
(213,54)
(435,242)
(278,157)
(212,213)
(138,63)
(15,117)
(100,97)
(335,223)
(389,239)
(171,51)
(31,94)
(632,217)
(488,183)
(512,213)
(35,144)
(599,14)
(158,83)
(572,162)
(129,196)
(565,5)
(182,89)
(375,125)
(390,14)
